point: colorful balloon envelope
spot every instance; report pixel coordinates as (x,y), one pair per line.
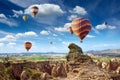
(25,18)
(34,10)
(27,45)
(80,27)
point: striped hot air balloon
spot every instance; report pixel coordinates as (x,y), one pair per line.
(34,10)
(27,45)
(81,27)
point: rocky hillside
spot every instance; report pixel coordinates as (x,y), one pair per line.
(76,67)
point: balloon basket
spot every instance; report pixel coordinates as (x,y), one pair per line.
(81,41)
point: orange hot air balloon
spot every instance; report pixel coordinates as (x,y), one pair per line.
(27,45)
(34,10)
(81,27)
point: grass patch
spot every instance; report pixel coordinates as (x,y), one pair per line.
(34,58)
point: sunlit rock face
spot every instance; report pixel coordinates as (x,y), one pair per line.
(76,54)
(59,71)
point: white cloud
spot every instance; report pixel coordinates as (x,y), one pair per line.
(63,29)
(114,21)
(55,35)
(111,27)
(21,3)
(11,44)
(79,10)
(5,20)
(17,13)
(5,33)
(26,34)
(3,16)
(1,44)
(31,33)
(65,43)
(101,26)
(26,3)
(104,45)
(90,36)
(95,30)
(20,12)
(46,10)
(19,35)
(43,32)
(59,39)
(8,38)
(8,22)
(47,13)
(72,17)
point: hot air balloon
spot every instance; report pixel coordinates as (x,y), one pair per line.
(51,42)
(81,27)
(25,18)
(34,10)
(70,30)
(27,45)
(105,23)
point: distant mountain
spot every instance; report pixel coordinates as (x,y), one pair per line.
(107,52)
(116,51)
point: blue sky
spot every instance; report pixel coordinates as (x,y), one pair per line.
(52,21)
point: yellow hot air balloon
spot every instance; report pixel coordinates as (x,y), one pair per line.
(27,45)
(25,18)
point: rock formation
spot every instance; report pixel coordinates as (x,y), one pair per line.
(76,54)
(45,76)
(16,70)
(24,76)
(44,67)
(118,70)
(30,74)
(59,71)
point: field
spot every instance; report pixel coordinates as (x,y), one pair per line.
(33,57)
(103,58)
(45,57)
